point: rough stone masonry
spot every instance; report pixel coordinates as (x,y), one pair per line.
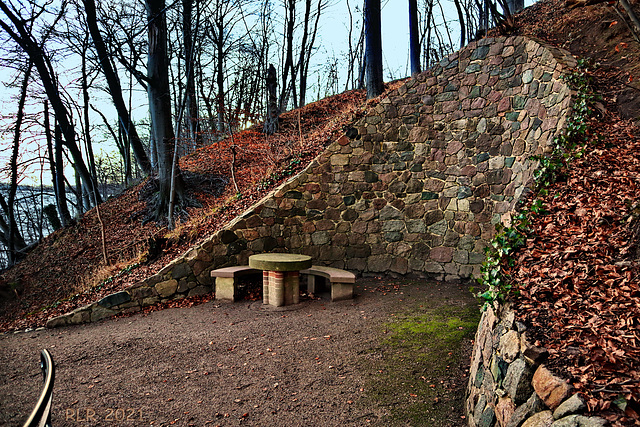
(509,384)
(436,164)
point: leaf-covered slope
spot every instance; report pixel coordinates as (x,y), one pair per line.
(578,274)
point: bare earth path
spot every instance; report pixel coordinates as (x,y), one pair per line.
(237,364)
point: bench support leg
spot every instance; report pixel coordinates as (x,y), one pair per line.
(276,288)
(265,287)
(311,284)
(292,287)
(225,288)
(341,291)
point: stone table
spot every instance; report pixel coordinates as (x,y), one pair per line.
(280,276)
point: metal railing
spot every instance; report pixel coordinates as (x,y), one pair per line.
(41,414)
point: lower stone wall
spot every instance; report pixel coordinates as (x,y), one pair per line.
(186,276)
(509,385)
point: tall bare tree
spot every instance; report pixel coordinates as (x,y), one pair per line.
(159,93)
(223,18)
(56,178)
(288,66)
(373,52)
(271,121)
(463,28)
(306,46)
(11,236)
(85,82)
(414,37)
(190,104)
(115,88)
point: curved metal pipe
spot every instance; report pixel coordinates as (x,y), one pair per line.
(41,414)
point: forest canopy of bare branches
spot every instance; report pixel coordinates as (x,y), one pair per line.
(102,94)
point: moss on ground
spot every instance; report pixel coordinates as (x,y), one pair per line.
(419,370)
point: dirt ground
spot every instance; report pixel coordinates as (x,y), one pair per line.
(315,364)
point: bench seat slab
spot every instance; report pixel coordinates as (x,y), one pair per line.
(235,271)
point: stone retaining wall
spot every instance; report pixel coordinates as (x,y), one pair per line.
(509,385)
(437,164)
(434,167)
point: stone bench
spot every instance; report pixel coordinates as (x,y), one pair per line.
(341,281)
(226,280)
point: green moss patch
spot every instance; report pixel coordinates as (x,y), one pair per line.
(418,373)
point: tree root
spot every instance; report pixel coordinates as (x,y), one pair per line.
(156,209)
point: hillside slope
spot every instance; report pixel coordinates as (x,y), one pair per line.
(578,275)
(67,269)
(598,35)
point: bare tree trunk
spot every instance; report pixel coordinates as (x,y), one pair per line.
(65,217)
(15,241)
(213,119)
(189,64)
(303,52)
(427,36)
(160,104)
(633,18)
(468,13)
(190,90)
(220,31)
(271,122)
(373,53)
(351,55)
(362,60)
(263,49)
(61,200)
(306,50)
(288,63)
(87,124)
(126,154)
(446,26)
(84,191)
(50,211)
(463,29)
(414,41)
(7,230)
(79,193)
(220,74)
(487,13)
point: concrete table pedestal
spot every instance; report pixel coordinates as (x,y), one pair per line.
(280,276)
